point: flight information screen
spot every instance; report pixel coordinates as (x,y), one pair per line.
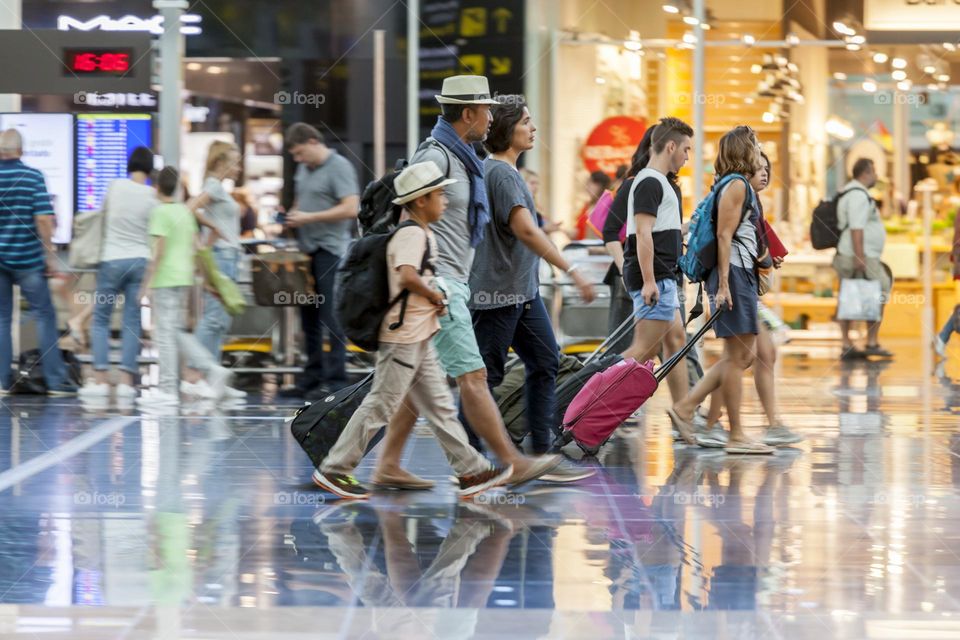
(104,143)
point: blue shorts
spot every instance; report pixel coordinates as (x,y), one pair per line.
(667,304)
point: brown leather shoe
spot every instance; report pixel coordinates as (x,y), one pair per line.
(403,481)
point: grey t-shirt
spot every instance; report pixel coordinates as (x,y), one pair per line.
(321,188)
(857,210)
(452,231)
(506,271)
(224,212)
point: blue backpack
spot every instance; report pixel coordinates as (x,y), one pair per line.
(700,258)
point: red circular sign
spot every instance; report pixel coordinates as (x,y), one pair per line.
(612,143)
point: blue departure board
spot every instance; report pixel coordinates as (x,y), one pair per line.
(104,143)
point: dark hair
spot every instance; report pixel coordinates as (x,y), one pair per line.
(301,133)
(141,159)
(642,155)
(621,172)
(861,166)
(601,179)
(505,118)
(670,130)
(167,181)
(452,112)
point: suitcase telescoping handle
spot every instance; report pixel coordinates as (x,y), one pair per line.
(619,332)
(668,366)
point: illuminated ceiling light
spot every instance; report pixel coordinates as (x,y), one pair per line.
(194,66)
(898,63)
(839,75)
(768,117)
(949,46)
(933,86)
(215,70)
(600,80)
(705,26)
(943,77)
(691,20)
(841,28)
(633,43)
(899,74)
(869,86)
(858,39)
(749,40)
(755,68)
(930,69)
(792,39)
(792,67)
(669,8)
(853,47)
(904,85)
(880,57)
(689,38)
(749,100)
(838,128)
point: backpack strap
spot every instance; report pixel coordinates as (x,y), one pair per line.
(839,195)
(433,143)
(404,296)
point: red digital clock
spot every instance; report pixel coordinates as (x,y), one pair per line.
(96,62)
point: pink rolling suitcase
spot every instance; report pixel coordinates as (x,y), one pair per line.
(613,395)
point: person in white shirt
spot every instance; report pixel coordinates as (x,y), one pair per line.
(862,238)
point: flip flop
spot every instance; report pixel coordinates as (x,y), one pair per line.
(684,428)
(749,448)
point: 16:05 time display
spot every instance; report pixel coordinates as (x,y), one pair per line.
(96,61)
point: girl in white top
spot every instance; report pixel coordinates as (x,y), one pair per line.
(125,251)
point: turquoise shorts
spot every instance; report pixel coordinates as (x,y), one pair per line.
(455,342)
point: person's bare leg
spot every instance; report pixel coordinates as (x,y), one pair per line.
(102,377)
(673,341)
(763,375)
(398,432)
(873,330)
(716,408)
(649,336)
(845,334)
(742,351)
(710,382)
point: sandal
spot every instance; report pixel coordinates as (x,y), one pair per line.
(749,447)
(684,428)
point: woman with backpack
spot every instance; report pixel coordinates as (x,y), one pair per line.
(733,286)
(777,433)
(505,298)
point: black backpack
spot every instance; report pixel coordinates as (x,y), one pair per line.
(377,212)
(363,299)
(825,227)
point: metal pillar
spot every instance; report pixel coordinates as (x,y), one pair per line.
(699,12)
(379,106)
(10,18)
(171,79)
(413,76)
(901,149)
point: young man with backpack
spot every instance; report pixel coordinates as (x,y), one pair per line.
(859,248)
(466,120)
(408,373)
(654,245)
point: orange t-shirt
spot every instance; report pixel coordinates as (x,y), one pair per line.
(420,321)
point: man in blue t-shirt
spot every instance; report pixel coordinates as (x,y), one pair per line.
(26,259)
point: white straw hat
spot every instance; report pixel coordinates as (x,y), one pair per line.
(465,90)
(419,179)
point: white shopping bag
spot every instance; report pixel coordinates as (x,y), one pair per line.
(859,300)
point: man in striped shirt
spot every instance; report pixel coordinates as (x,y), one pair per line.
(26,259)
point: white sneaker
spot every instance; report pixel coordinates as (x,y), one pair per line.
(232,393)
(125,392)
(939,346)
(219,380)
(158,398)
(199,389)
(94,390)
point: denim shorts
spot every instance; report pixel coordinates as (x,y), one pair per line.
(668,303)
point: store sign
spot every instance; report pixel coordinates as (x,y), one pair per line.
(911,15)
(99,99)
(189,24)
(612,143)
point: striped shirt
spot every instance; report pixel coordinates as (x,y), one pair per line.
(23,195)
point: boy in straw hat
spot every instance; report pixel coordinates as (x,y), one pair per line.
(408,371)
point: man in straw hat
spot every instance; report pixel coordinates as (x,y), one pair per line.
(466,119)
(409,376)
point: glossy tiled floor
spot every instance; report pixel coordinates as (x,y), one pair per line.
(201,526)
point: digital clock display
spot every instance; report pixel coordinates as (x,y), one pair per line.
(96,62)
